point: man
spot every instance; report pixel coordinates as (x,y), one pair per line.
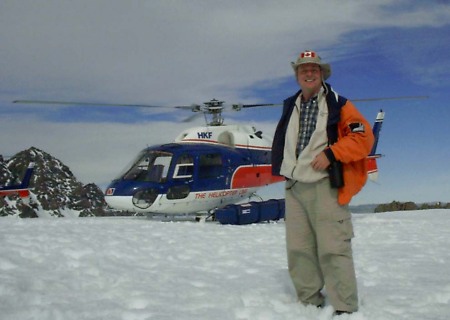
(320,146)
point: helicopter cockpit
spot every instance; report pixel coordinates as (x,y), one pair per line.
(154,171)
(148,166)
(153,166)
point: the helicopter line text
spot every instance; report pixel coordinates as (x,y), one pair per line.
(220,194)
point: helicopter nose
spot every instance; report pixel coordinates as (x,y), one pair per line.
(120,202)
(142,199)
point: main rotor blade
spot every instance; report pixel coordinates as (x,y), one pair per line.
(85,103)
(238,107)
(390,98)
(192,117)
(261,105)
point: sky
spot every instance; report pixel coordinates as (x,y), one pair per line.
(168,53)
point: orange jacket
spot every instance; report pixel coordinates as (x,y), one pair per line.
(355,141)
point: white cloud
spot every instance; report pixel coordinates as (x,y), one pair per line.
(172,51)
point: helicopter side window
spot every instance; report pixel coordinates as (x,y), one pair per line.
(210,166)
(184,167)
(158,172)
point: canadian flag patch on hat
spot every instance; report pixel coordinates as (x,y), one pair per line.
(308,54)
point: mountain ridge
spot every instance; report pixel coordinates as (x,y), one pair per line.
(54,190)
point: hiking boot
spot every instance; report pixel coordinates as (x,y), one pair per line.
(339,312)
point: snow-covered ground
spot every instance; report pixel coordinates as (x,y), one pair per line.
(136,268)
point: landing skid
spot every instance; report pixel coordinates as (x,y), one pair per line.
(192,217)
(170,218)
(203,218)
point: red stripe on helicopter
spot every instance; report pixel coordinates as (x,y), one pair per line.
(254,176)
(252,147)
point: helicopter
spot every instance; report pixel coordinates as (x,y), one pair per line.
(205,168)
(22,189)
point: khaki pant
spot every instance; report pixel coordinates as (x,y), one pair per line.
(318,240)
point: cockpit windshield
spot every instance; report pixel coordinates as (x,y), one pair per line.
(149,165)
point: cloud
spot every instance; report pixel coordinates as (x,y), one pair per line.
(175,51)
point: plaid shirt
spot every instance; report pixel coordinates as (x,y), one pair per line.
(308,119)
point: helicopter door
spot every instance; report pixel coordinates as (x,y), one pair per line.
(211,171)
(182,178)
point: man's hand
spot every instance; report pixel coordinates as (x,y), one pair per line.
(320,162)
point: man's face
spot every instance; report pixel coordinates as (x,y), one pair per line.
(309,77)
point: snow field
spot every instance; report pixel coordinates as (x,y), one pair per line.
(136,268)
